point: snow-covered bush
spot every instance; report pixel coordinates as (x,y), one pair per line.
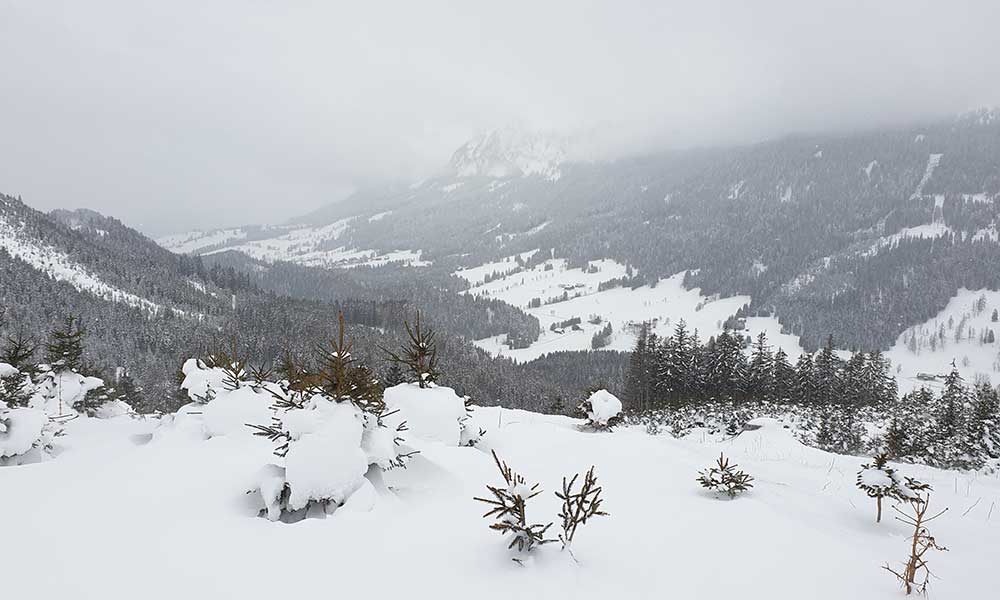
(330,425)
(430,413)
(25,434)
(509,511)
(602,410)
(724,477)
(879,480)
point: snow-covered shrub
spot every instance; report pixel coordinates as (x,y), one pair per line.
(329,426)
(15,386)
(578,506)
(509,511)
(879,480)
(25,434)
(724,477)
(602,409)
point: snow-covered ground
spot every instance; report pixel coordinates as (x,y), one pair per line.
(127,510)
(306,246)
(663,306)
(969,317)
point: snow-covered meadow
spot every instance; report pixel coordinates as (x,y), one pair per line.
(157,508)
(662,305)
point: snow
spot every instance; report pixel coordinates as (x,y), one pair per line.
(379,216)
(326,461)
(60,267)
(868,169)
(973,358)
(927,230)
(662,305)
(433,413)
(229,413)
(310,246)
(193,241)
(174,514)
(604,406)
(20,430)
(932,162)
(7,370)
(476,275)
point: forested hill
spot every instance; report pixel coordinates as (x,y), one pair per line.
(855,235)
(146,309)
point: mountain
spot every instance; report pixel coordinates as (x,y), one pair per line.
(858,236)
(509,152)
(147,309)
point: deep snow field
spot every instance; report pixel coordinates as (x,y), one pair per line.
(149,509)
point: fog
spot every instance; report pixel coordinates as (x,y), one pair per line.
(176,115)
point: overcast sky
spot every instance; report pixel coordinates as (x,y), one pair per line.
(179,114)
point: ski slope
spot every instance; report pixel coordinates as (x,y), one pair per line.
(134,509)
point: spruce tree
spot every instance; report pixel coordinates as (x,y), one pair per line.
(64,351)
(950,442)
(761,370)
(394,375)
(804,387)
(638,382)
(419,355)
(783,377)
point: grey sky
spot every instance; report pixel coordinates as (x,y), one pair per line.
(181,114)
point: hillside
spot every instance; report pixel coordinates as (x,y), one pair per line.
(860,236)
(146,309)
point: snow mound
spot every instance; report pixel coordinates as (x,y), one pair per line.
(433,413)
(21,429)
(603,406)
(229,413)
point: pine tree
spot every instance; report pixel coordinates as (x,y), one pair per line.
(64,351)
(783,377)
(16,388)
(950,442)
(804,386)
(761,370)
(827,374)
(394,375)
(638,380)
(983,432)
(129,391)
(419,356)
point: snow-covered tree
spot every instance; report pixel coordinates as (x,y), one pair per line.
(725,478)
(879,480)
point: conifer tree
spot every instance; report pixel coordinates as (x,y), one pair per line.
(394,375)
(419,355)
(950,443)
(638,380)
(761,370)
(16,388)
(64,351)
(783,377)
(804,387)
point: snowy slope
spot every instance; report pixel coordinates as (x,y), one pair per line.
(663,306)
(956,333)
(121,513)
(60,267)
(307,246)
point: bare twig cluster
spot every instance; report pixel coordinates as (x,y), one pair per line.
(724,477)
(920,543)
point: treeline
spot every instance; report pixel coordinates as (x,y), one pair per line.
(957,428)
(680,369)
